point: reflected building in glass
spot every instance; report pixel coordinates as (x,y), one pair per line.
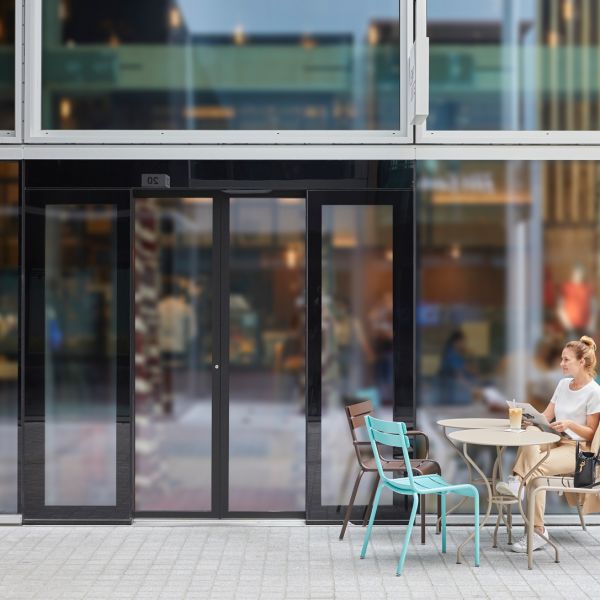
(170,66)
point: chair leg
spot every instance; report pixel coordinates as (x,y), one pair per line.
(411,521)
(363,551)
(438,522)
(442,499)
(581,517)
(369,506)
(351,504)
(500,518)
(423,508)
(476,513)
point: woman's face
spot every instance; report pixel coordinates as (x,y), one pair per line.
(569,363)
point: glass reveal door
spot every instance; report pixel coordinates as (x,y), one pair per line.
(219,360)
(360,303)
(77,426)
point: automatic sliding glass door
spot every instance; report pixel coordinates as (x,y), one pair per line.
(219,360)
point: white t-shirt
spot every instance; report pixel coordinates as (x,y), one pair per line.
(575,405)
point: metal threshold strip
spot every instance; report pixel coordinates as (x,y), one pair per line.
(219,523)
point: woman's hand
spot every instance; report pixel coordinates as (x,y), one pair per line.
(561,426)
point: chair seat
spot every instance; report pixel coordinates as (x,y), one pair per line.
(422,465)
(428,484)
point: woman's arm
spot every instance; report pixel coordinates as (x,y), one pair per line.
(586,431)
(549,412)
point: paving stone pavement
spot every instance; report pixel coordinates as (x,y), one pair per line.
(275,562)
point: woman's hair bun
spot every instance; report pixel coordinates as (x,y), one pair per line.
(588,341)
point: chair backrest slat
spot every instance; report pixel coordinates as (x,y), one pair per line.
(389,433)
(360,408)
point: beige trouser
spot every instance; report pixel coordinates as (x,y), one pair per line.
(560,461)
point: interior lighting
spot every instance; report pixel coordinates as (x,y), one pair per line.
(175,20)
(307,42)
(65,109)
(209,112)
(290,201)
(553,39)
(63,13)
(291,257)
(239,37)
(455,251)
(191,200)
(389,255)
(567,10)
(373,35)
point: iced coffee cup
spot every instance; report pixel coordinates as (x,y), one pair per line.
(515,415)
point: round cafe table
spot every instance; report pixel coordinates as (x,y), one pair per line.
(501,439)
(467,423)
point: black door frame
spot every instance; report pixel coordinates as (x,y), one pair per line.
(404,349)
(220,381)
(33,397)
(402,202)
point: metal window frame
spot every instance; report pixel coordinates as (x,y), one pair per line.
(425,136)
(14,136)
(33,132)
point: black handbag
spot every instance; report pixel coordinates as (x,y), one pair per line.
(585,468)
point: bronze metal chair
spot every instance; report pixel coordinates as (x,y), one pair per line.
(356,414)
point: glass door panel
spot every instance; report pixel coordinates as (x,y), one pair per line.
(360,307)
(266,354)
(77,419)
(174,330)
(358,333)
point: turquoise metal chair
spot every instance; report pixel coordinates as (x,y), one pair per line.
(393,433)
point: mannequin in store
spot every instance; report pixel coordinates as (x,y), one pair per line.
(576,308)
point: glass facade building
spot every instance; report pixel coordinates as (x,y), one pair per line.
(223,222)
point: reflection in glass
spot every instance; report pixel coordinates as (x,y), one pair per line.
(508,273)
(9,333)
(173,363)
(7,65)
(80,355)
(231,64)
(514,65)
(357,335)
(266,355)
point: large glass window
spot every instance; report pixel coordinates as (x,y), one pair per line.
(228,64)
(514,65)
(7,65)
(9,335)
(509,271)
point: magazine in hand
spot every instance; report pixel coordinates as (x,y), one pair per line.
(536,418)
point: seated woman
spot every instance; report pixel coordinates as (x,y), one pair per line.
(576,407)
